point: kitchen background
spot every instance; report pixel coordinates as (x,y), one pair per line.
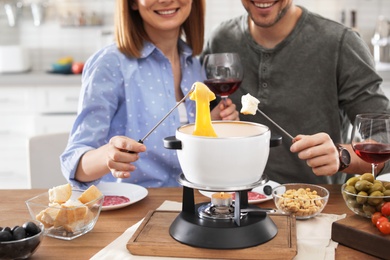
(34,102)
(50,29)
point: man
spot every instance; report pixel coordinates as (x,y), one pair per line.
(312,76)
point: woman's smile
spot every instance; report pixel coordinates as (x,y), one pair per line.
(167,12)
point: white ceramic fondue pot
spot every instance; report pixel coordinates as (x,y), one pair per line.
(237,157)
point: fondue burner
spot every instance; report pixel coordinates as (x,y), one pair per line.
(222,224)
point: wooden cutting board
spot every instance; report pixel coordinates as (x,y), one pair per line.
(358,232)
(152,238)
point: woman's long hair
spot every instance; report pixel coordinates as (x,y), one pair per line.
(130,33)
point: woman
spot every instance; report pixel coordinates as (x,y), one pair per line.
(129,86)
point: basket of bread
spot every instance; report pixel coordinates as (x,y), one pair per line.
(67,213)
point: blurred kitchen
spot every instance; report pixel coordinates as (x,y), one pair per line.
(37,97)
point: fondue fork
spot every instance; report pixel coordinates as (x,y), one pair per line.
(170,111)
(275,124)
(262,210)
(119,180)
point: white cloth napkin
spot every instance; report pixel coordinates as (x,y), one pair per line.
(313,239)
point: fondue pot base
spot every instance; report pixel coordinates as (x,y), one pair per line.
(254,230)
(196,226)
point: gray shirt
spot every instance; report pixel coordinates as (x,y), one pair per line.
(315,80)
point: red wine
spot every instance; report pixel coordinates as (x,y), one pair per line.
(223,87)
(373,153)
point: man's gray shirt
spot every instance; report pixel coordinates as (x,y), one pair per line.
(316,80)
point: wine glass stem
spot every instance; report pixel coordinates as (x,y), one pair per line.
(224,101)
(373,169)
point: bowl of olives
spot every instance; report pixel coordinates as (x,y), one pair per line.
(20,238)
(364,195)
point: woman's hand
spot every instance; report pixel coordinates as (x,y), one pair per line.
(121,153)
(319,152)
(225,112)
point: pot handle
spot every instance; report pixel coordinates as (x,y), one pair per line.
(172,143)
(276,140)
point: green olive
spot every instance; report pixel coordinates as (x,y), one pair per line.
(376,187)
(349,192)
(350,189)
(352,181)
(387,193)
(361,197)
(368,209)
(386,184)
(368,177)
(375,198)
(363,185)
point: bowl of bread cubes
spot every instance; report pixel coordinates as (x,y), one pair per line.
(67,213)
(20,237)
(300,199)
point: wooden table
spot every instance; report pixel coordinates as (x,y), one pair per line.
(111,224)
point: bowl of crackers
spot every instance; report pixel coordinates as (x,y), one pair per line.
(67,213)
(302,200)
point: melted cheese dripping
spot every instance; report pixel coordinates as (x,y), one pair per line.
(202,95)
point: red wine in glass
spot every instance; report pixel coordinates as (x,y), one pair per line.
(370,138)
(223,73)
(373,152)
(222,87)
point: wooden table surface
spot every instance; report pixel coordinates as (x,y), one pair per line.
(111,224)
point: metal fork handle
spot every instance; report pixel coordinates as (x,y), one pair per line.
(275,124)
(170,111)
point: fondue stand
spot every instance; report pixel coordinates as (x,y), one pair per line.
(223,224)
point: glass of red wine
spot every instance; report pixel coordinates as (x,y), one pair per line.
(370,138)
(224,73)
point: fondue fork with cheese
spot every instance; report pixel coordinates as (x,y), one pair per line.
(202,95)
(250,106)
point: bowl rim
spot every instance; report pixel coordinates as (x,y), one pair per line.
(362,196)
(303,184)
(41,226)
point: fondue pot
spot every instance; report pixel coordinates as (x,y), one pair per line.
(237,157)
(233,161)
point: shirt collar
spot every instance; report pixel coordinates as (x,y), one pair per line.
(184,50)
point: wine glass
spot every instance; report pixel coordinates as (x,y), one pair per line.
(224,73)
(370,138)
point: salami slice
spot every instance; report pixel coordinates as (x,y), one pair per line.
(252,195)
(112,200)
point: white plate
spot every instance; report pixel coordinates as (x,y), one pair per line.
(384,177)
(132,191)
(258,189)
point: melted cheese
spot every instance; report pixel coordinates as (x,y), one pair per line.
(202,95)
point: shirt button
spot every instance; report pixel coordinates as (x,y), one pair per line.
(267,55)
(264,69)
(265,85)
